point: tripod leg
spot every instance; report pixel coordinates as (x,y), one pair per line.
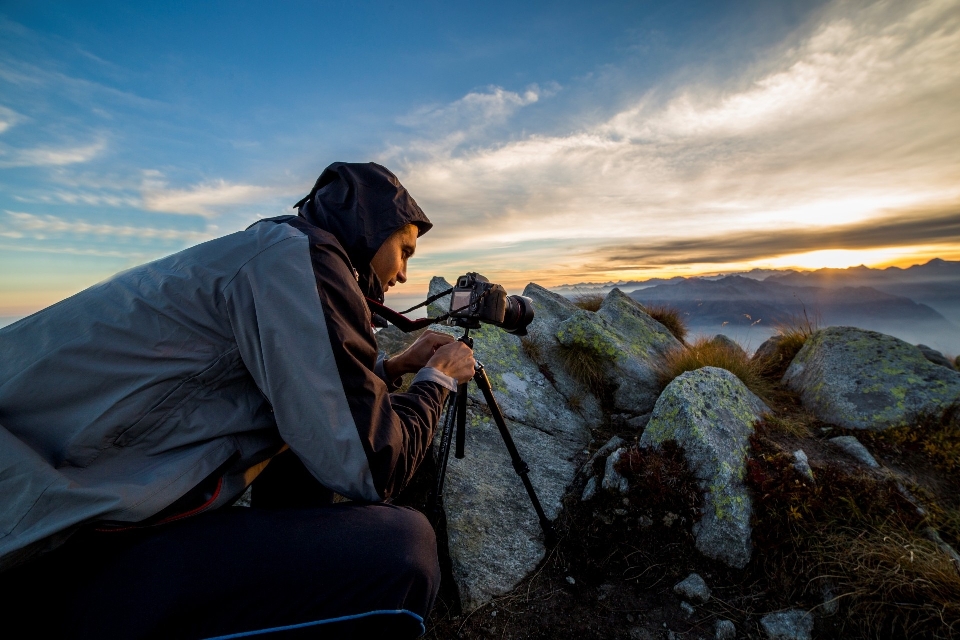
(435,501)
(461,420)
(480,377)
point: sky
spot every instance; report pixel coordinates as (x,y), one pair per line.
(556,142)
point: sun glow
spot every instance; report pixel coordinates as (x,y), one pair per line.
(844,258)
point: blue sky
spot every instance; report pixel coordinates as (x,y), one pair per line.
(553,142)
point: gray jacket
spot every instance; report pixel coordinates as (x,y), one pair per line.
(192,371)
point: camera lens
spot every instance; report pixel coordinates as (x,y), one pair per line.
(519,314)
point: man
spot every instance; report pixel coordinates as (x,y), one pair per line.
(133,411)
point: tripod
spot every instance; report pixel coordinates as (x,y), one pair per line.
(457,417)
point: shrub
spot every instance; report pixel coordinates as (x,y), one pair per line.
(589,301)
(671,318)
(703,352)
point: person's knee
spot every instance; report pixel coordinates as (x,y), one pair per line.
(416,543)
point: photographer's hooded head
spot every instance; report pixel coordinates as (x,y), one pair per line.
(362,205)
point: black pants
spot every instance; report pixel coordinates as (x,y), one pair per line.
(337,571)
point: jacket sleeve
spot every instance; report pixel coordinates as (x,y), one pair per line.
(304,333)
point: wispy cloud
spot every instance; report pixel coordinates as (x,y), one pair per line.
(857,119)
(203,199)
(8,118)
(51,156)
(40,227)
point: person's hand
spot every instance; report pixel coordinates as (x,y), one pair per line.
(455,360)
(416,356)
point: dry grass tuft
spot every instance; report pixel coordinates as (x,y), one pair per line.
(893,581)
(532,347)
(703,352)
(589,301)
(798,424)
(587,366)
(671,318)
(792,334)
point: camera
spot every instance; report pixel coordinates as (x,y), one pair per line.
(475,299)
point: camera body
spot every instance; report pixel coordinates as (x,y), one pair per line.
(475,300)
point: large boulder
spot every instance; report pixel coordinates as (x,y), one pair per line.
(551,309)
(623,333)
(710,414)
(493,532)
(862,379)
(494,535)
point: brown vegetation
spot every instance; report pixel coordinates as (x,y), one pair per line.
(671,318)
(589,301)
(704,352)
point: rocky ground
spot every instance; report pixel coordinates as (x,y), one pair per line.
(701,510)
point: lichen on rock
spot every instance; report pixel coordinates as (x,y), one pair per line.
(623,333)
(862,379)
(710,414)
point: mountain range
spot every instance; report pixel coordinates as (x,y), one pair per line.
(920,304)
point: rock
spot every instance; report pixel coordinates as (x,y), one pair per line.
(802,464)
(935,356)
(723,341)
(391,341)
(640,633)
(687,609)
(725,630)
(493,533)
(550,309)
(693,587)
(611,445)
(643,341)
(441,306)
(589,489)
(831,604)
(768,349)
(622,332)
(639,422)
(853,448)
(612,480)
(787,625)
(862,379)
(710,414)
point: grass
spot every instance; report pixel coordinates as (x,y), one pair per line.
(858,535)
(589,301)
(586,366)
(934,435)
(671,318)
(791,335)
(703,352)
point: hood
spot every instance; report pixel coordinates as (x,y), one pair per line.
(361,204)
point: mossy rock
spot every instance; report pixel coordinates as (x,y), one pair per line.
(710,414)
(623,333)
(861,379)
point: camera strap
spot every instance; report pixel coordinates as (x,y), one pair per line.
(406,324)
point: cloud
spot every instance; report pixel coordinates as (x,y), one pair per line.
(52,156)
(905,228)
(8,118)
(442,129)
(857,118)
(41,227)
(202,200)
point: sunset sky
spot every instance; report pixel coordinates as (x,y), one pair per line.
(548,142)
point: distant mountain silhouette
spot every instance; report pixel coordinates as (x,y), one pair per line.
(936,283)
